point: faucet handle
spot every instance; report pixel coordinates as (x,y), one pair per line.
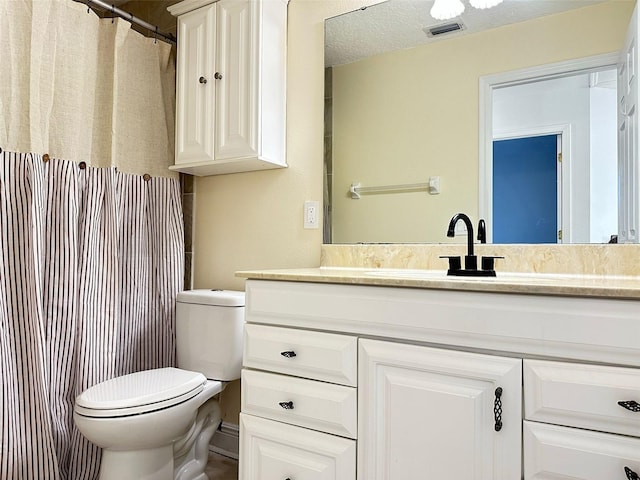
(487,262)
(482,231)
(454,262)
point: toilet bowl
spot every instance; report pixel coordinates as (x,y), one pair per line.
(157,424)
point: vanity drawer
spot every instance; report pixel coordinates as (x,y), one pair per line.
(273,450)
(554,452)
(321,406)
(320,356)
(582,395)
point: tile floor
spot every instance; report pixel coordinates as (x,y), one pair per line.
(221,468)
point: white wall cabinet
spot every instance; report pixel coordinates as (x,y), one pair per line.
(429,365)
(231,86)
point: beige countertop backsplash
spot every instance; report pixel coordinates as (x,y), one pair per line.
(607,260)
(606,271)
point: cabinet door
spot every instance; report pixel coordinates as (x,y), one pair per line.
(195,86)
(431,414)
(274,451)
(237,84)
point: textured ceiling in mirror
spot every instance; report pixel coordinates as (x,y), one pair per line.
(399,24)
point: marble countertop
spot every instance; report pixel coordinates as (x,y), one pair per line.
(625,287)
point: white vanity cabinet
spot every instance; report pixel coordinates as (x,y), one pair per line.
(450,384)
(299,405)
(281,451)
(435,413)
(231,85)
(581,421)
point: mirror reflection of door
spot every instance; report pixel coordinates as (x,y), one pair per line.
(581,106)
(526,190)
(628,133)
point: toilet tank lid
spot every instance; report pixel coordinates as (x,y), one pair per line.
(223,298)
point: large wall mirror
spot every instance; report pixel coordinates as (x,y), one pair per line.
(403,147)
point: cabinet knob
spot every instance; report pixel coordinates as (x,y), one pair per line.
(631,405)
(218,76)
(631,475)
(497,409)
(202,80)
(286,405)
(288,354)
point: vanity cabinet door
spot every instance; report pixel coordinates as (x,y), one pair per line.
(275,451)
(437,414)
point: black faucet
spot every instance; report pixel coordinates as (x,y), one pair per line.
(482,231)
(470,261)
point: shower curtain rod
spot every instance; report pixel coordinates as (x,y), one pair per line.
(129,18)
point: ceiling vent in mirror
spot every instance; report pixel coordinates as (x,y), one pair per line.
(444,29)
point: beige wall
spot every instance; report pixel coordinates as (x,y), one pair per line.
(254,220)
(370,142)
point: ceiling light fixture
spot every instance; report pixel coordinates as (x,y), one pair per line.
(484,3)
(446,9)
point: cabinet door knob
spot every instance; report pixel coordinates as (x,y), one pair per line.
(288,354)
(630,405)
(286,405)
(202,80)
(497,409)
(631,475)
(218,76)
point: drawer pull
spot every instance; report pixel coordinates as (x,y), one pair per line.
(497,409)
(631,475)
(286,405)
(630,405)
(288,354)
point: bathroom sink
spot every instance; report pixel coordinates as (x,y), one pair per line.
(425,275)
(416,274)
(407,273)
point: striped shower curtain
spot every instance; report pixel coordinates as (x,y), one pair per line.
(91,236)
(90,263)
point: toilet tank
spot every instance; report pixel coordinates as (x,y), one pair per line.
(209,328)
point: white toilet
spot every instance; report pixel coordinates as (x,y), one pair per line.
(157,424)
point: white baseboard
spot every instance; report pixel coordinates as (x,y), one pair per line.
(226,440)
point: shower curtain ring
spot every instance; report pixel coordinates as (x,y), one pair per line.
(88,9)
(113,13)
(155,36)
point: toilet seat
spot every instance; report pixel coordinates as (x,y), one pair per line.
(140,392)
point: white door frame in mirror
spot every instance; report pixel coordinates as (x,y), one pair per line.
(517,77)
